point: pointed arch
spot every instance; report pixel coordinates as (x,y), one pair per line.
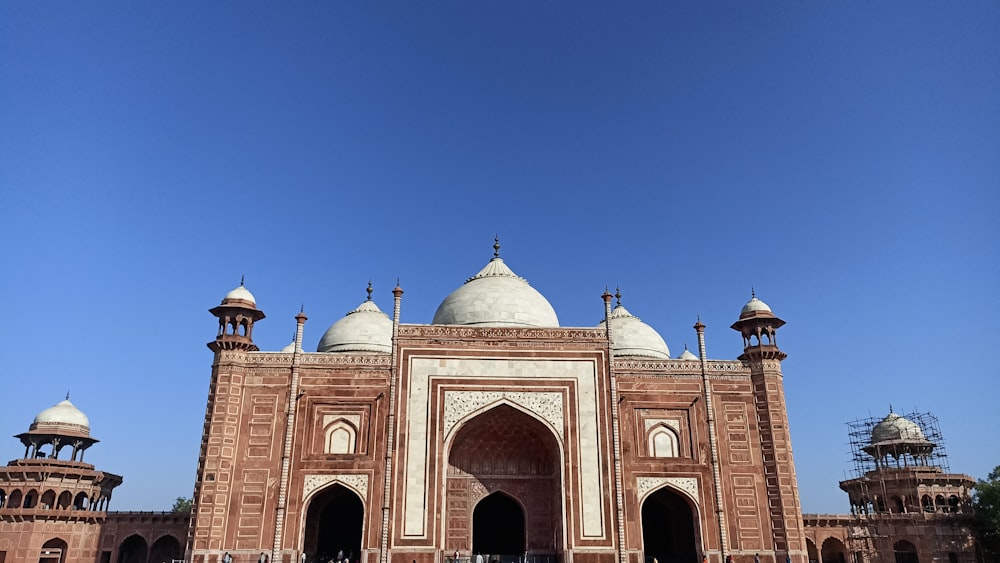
(53,551)
(452,429)
(662,441)
(340,436)
(333,521)
(669,526)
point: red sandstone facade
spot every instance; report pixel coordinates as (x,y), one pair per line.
(502,440)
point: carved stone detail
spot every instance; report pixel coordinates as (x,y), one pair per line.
(356,481)
(573,334)
(487,487)
(671,423)
(689,485)
(547,405)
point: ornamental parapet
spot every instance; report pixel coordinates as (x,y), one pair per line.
(682,367)
(508,333)
(316,358)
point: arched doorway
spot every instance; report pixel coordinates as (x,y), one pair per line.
(133,550)
(668,528)
(498,526)
(504,482)
(905,552)
(166,548)
(334,523)
(833,551)
(812,551)
(53,551)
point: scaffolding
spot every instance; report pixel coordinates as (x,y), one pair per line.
(869,535)
(860,432)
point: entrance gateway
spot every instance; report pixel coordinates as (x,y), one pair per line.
(504,478)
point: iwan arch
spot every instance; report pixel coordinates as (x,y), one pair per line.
(494,430)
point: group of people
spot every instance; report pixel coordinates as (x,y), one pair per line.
(227,558)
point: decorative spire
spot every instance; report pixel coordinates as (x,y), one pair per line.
(753,294)
(302,308)
(496,246)
(369,290)
(67,398)
(618,296)
(242,278)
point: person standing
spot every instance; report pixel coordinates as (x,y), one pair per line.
(227,558)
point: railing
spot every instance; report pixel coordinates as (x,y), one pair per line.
(504,558)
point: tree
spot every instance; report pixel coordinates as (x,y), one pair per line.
(986,502)
(181,504)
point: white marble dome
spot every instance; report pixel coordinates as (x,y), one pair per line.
(687,355)
(754,306)
(895,428)
(365,329)
(496,296)
(632,337)
(240,293)
(61,417)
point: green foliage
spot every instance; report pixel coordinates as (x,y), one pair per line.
(986,502)
(181,504)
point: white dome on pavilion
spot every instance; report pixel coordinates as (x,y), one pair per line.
(496,296)
(894,428)
(241,294)
(60,418)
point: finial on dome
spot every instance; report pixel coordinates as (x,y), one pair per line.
(496,246)
(67,397)
(369,290)
(890,407)
(302,308)
(753,294)
(618,296)
(242,278)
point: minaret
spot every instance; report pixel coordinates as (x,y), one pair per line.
(761,354)
(237,313)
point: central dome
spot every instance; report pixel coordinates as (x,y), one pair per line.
(496,296)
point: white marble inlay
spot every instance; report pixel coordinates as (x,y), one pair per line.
(689,485)
(673,424)
(547,405)
(419,410)
(355,481)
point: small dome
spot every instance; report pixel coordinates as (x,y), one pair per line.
(365,329)
(632,337)
(61,418)
(753,306)
(496,296)
(240,294)
(895,428)
(687,355)
(289,349)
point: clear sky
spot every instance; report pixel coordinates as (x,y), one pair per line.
(843,158)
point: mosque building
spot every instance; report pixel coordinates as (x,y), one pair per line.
(491,434)
(494,430)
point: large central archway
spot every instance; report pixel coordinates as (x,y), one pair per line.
(668,528)
(334,524)
(504,486)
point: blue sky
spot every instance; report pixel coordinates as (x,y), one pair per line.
(841,158)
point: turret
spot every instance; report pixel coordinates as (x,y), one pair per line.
(759,326)
(237,313)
